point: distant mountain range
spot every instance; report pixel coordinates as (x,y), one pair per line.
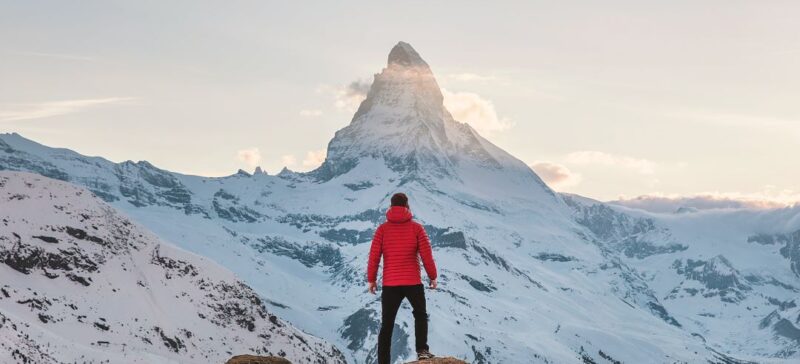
(528,275)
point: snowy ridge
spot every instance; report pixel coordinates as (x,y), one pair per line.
(527,275)
(83,283)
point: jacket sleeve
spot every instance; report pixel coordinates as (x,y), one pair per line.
(375,252)
(425,251)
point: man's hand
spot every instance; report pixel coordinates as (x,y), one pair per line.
(433,284)
(373,286)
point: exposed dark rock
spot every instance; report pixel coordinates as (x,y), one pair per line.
(659,310)
(552,257)
(227,207)
(172,266)
(446,238)
(478,285)
(27,258)
(359,186)
(101,326)
(358,326)
(717,275)
(790,249)
(443,360)
(306,221)
(173,343)
(349,236)
(309,255)
(47,239)
(253,359)
(81,234)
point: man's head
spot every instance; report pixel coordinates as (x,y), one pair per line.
(400,199)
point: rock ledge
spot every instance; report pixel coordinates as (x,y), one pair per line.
(253,359)
(442,360)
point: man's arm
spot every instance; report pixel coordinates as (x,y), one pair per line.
(375,256)
(425,251)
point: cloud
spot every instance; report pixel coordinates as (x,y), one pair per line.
(470,77)
(348,98)
(288,160)
(465,107)
(556,175)
(310,113)
(314,158)
(29,111)
(639,165)
(709,201)
(476,111)
(251,156)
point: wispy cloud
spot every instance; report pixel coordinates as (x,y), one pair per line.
(349,97)
(768,198)
(478,112)
(466,107)
(28,111)
(556,175)
(250,156)
(314,158)
(288,160)
(639,165)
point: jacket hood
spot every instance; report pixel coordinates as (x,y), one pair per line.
(398,214)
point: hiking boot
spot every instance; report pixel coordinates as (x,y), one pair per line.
(425,355)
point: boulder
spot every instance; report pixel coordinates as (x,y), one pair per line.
(253,359)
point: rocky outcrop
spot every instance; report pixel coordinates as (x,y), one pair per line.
(253,359)
(445,360)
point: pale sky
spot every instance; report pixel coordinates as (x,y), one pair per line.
(605,98)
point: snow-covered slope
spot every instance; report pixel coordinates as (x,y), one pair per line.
(527,275)
(729,276)
(82,283)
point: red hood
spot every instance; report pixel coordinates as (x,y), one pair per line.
(398,214)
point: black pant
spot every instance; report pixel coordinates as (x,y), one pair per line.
(391,298)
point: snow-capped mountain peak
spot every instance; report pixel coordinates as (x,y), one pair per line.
(405,55)
(404,123)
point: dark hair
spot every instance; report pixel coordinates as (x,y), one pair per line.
(400,199)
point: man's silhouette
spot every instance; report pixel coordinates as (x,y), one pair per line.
(401,241)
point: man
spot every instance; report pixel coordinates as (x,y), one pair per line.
(400,241)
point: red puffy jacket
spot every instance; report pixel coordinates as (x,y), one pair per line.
(400,241)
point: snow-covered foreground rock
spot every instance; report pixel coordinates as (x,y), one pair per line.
(82,283)
(527,275)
